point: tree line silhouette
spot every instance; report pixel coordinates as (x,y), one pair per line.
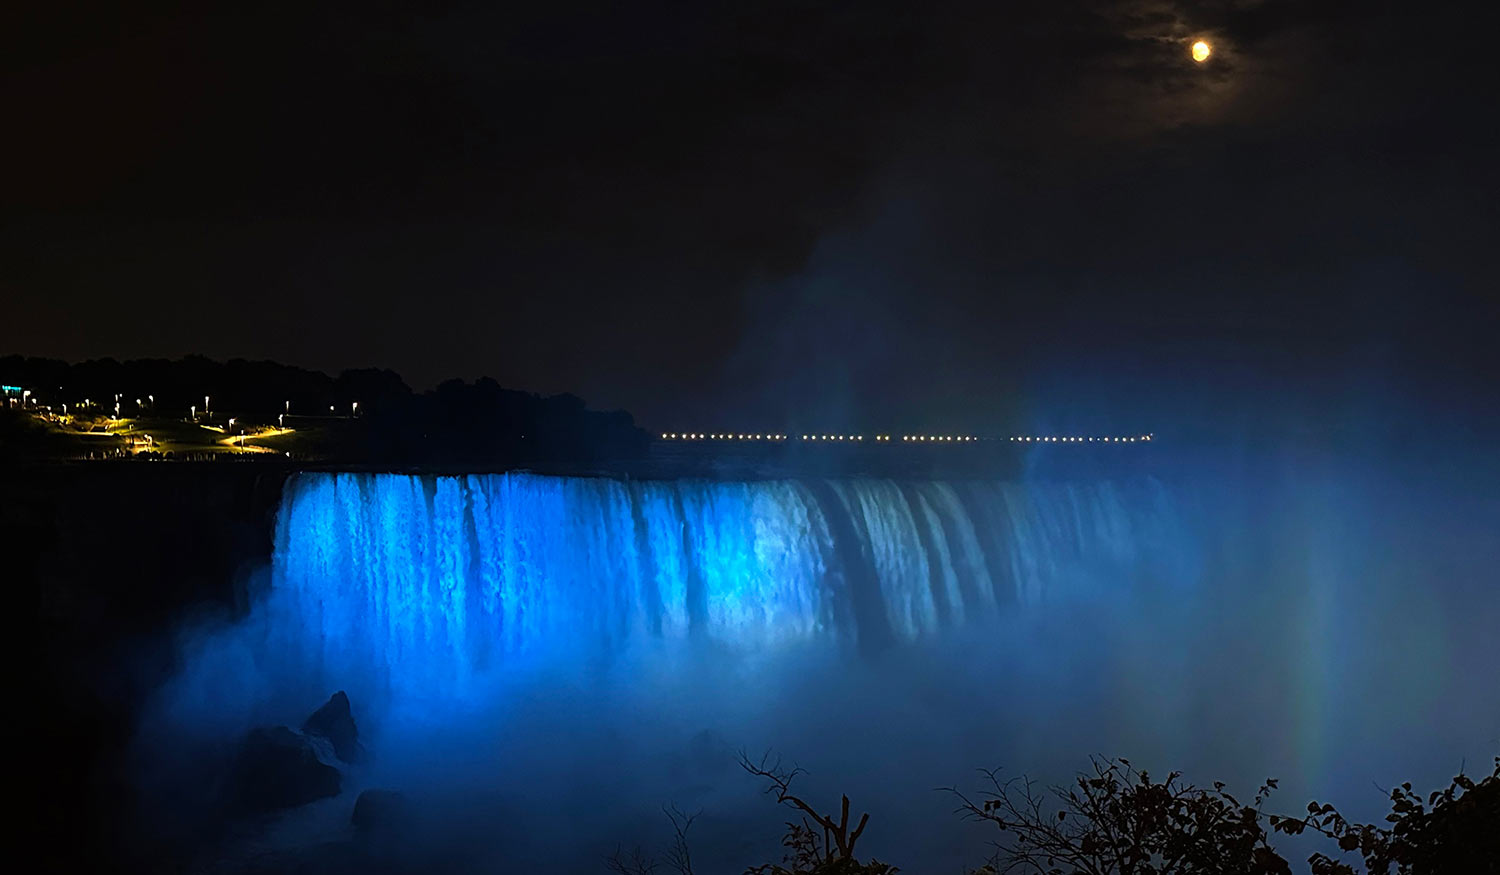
(457,422)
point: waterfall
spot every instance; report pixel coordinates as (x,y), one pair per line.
(421,583)
(518,645)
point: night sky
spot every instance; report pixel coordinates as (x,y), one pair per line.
(773,215)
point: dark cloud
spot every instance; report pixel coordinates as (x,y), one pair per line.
(639,202)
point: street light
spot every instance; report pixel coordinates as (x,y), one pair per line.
(354,411)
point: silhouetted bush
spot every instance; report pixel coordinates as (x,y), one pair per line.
(1460,832)
(1115,820)
(817,844)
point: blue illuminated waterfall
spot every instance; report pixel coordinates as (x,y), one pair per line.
(517,645)
(418,585)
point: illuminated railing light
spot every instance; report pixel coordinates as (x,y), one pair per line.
(885,438)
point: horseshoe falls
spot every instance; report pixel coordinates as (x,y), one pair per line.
(517,645)
(424,587)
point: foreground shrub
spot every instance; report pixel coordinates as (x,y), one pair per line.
(1115,820)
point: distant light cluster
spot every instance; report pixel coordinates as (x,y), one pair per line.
(908,438)
(699,436)
(1057,439)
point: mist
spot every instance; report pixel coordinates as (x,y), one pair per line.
(1327,624)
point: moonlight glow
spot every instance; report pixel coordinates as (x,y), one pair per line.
(1201,51)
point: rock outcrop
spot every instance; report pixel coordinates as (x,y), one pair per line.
(335,722)
(379,811)
(278,767)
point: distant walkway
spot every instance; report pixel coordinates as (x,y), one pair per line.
(906,438)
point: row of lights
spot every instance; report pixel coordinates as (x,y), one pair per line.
(910,438)
(1079,440)
(695,436)
(87,402)
(698,436)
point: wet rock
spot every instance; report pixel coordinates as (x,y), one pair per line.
(278,768)
(379,811)
(335,722)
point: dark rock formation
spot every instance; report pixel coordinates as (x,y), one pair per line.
(280,768)
(379,811)
(334,722)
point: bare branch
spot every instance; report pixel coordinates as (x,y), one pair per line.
(835,832)
(634,863)
(679,855)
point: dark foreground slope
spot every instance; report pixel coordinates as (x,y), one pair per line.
(104,559)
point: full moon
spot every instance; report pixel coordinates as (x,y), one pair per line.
(1201,51)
